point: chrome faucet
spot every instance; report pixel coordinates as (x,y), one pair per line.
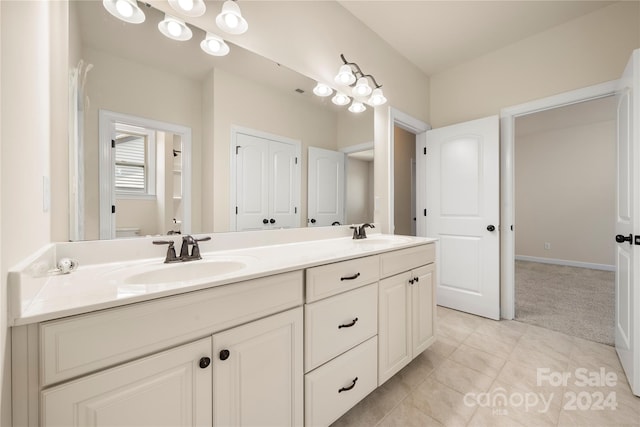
(359,232)
(187,241)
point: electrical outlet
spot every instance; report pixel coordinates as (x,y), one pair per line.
(547,246)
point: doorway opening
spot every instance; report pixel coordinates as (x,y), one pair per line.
(565,177)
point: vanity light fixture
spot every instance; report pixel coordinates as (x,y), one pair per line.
(322,89)
(192,8)
(230,19)
(126,10)
(340,99)
(174,28)
(214,45)
(357,107)
(350,74)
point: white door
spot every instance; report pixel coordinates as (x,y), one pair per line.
(252,187)
(258,372)
(462,202)
(325,187)
(284,185)
(171,388)
(267,185)
(627,289)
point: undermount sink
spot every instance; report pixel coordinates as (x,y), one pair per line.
(185,272)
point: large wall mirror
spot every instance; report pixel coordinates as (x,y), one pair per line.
(132,70)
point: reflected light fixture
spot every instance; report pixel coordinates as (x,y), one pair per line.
(174,28)
(192,8)
(214,45)
(230,19)
(322,89)
(125,10)
(357,107)
(340,99)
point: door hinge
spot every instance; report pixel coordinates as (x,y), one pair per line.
(295,210)
(236,210)
(113,208)
(296,160)
(425,150)
(237,148)
(113,143)
(637,239)
(425,212)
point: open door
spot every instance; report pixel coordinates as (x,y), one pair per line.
(627,289)
(463,211)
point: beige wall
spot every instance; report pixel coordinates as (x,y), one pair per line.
(242,102)
(359,191)
(589,50)
(403,152)
(565,193)
(127,87)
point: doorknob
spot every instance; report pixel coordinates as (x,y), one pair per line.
(272,221)
(491,227)
(265,221)
(313,220)
(620,238)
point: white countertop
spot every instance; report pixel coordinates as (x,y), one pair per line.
(38,297)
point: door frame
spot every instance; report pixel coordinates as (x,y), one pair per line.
(507,184)
(106,160)
(419,129)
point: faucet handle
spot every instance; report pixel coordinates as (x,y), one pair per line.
(195,251)
(171,250)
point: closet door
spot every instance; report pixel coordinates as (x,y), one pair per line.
(284,185)
(252,184)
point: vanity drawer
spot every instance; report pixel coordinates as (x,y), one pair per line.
(331,279)
(334,388)
(87,343)
(336,324)
(406,259)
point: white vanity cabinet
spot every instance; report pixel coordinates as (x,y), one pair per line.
(229,355)
(406,307)
(341,326)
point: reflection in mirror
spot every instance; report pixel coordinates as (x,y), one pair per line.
(134,70)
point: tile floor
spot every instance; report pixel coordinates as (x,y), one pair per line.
(481,372)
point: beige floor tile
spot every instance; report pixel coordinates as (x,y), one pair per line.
(535,406)
(420,368)
(371,410)
(441,402)
(503,328)
(492,343)
(478,360)
(467,320)
(560,345)
(524,378)
(455,330)
(444,346)
(443,311)
(528,355)
(461,378)
(487,417)
(407,415)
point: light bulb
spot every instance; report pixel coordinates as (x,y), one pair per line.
(186,4)
(231,20)
(214,45)
(174,28)
(340,99)
(377,97)
(357,107)
(124,8)
(362,87)
(322,89)
(345,76)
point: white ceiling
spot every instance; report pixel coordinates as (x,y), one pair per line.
(436,35)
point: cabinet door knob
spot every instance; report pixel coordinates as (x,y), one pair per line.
(353,384)
(348,325)
(411,281)
(204,362)
(224,354)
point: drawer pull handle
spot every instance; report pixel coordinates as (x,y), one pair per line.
(353,384)
(355,276)
(353,322)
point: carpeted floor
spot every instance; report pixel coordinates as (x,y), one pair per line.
(575,301)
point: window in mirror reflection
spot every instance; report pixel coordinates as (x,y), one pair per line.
(134,168)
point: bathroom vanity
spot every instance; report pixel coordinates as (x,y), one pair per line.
(292,333)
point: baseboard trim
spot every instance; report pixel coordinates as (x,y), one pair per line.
(591,265)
